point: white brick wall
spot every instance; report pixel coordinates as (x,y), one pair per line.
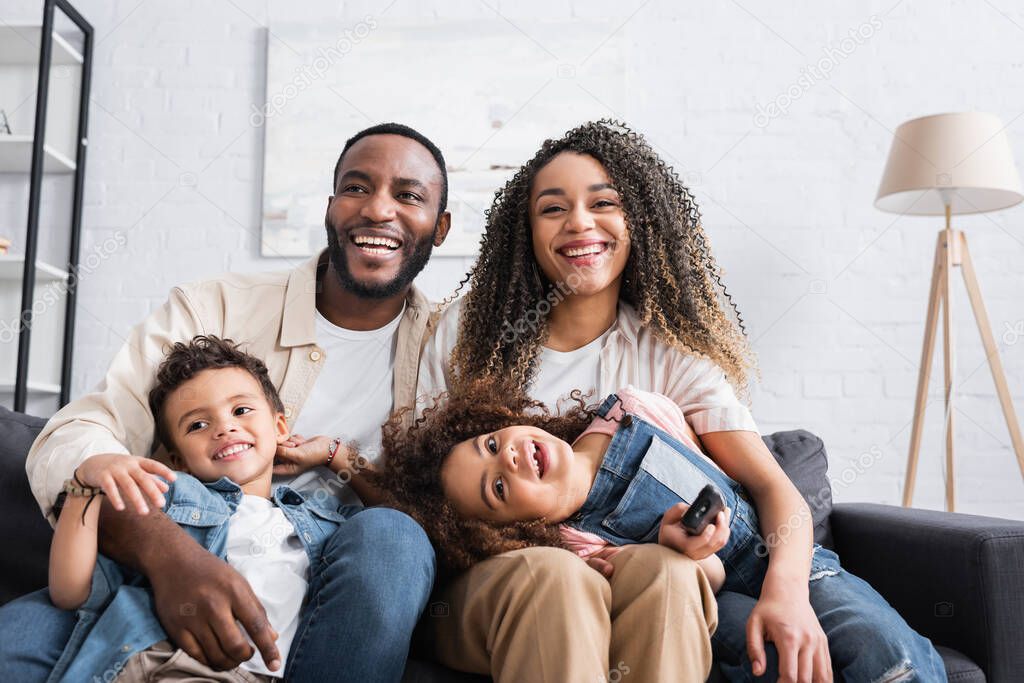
(832,291)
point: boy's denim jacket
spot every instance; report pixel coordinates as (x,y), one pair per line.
(119,618)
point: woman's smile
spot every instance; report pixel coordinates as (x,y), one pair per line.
(583,253)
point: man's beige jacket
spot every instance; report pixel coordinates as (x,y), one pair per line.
(271,314)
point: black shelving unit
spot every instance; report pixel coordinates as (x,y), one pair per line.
(35,196)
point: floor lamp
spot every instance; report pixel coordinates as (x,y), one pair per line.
(939,166)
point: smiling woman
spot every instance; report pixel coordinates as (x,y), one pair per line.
(580,237)
(594,274)
(598,216)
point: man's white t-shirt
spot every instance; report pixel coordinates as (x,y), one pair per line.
(352,397)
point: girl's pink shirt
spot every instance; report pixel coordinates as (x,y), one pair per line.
(660,411)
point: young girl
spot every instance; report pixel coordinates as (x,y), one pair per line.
(485,472)
(595,273)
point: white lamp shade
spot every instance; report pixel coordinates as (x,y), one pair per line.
(963,157)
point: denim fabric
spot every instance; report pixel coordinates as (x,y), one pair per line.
(868,640)
(367,593)
(119,618)
(33,634)
(645,471)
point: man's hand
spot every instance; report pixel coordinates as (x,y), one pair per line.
(711,540)
(126,477)
(200,601)
(791,624)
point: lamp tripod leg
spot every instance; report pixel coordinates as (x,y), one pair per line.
(992,352)
(951,256)
(927,351)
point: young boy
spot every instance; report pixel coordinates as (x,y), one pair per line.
(221,420)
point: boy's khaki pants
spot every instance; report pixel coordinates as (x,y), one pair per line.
(165,663)
(542,614)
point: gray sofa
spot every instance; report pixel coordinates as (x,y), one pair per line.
(958,579)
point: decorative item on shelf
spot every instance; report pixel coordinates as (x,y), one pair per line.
(5,128)
(943,165)
(5,245)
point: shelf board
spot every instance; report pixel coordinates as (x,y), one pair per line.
(7,386)
(19,44)
(11,268)
(16,156)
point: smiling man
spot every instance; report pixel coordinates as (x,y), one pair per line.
(341,337)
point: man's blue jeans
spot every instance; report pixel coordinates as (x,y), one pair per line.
(365,598)
(374,580)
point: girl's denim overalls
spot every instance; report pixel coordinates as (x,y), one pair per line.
(646,471)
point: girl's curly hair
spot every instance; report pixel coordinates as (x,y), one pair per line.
(411,476)
(670,277)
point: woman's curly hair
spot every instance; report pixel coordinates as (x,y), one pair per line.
(411,476)
(670,277)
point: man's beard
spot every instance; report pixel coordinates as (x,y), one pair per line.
(414,259)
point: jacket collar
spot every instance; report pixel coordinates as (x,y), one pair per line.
(298,322)
(223,485)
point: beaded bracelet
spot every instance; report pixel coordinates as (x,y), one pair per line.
(332,450)
(75,487)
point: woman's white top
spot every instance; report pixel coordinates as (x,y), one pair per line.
(626,354)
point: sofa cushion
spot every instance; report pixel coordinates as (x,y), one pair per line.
(801,455)
(26,534)
(959,667)
(426,671)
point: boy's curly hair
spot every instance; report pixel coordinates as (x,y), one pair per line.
(204,352)
(411,476)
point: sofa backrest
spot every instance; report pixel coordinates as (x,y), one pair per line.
(23,564)
(25,533)
(803,458)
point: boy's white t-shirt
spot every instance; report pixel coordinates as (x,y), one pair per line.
(263,547)
(352,397)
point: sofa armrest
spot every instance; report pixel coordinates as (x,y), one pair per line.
(957,579)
